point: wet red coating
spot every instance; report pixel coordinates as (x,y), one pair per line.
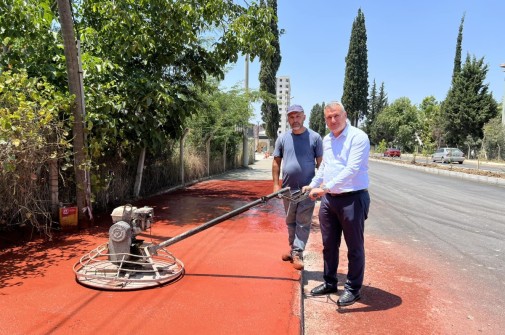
(235,281)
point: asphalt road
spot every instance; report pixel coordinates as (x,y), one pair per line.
(460,222)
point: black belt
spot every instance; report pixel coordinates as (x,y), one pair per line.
(347,193)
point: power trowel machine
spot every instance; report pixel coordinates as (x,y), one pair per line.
(128,263)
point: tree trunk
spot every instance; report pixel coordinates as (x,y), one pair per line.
(483,148)
(207,149)
(245,147)
(224,156)
(181,156)
(53,187)
(70,49)
(140,170)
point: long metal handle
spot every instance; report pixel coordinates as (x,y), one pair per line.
(191,232)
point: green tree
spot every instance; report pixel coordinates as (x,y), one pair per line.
(316,119)
(431,124)
(372,108)
(494,139)
(218,115)
(161,57)
(377,102)
(469,104)
(382,101)
(381,147)
(267,78)
(29,40)
(397,124)
(355,93)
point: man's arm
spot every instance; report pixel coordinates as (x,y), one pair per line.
(276,171)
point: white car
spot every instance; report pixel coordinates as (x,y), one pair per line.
(448,155)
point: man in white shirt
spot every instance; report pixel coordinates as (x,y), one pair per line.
(341,182)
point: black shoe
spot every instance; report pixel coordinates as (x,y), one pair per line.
(324,289)
(348,298)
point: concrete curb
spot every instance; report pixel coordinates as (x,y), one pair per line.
(481,179)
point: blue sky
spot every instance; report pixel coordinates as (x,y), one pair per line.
(411,46)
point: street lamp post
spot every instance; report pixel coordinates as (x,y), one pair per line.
(503,101)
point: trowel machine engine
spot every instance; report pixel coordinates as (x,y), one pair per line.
(128,222)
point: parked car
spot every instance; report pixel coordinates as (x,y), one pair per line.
(392,152)
(448,155)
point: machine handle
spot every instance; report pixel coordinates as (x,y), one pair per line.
(153,248)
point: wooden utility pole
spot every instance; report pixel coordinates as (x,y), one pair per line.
(245,146)
(70,49)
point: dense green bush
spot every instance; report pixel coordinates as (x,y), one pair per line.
(33,135)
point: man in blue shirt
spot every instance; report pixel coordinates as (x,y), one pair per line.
(300,151)
(341,182)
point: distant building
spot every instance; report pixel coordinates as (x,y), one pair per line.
(262,142)
(283,91)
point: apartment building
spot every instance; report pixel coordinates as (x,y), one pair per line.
(283,91)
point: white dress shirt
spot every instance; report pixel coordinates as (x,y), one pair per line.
(345,161)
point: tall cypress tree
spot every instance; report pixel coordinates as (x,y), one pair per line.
(377,102)
(316,119)
(372,107)
(322,122)
(457,57)
(382,101)
(355,94)
(469,104)
(267,78)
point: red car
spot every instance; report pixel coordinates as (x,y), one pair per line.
(392,152)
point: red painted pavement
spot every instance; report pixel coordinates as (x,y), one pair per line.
(235,281)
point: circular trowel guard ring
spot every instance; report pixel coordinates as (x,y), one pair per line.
(134,272)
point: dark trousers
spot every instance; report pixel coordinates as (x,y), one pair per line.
(344,214)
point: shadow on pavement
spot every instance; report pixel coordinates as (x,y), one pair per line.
(373,299)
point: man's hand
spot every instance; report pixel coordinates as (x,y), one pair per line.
(277,188)
(306,189)
(316,193)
